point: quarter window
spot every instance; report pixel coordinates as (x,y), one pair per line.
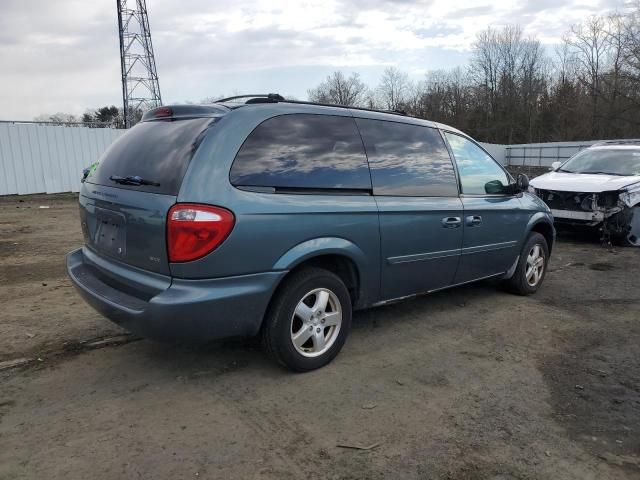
(407,160)
(303,151)
(479,173)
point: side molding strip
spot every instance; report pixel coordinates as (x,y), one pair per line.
(489,247)
(419,257)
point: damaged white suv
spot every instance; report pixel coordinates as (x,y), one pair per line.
(597,187)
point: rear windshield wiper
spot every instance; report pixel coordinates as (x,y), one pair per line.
(132,180)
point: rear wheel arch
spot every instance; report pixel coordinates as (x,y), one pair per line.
(337,255)
(339,264)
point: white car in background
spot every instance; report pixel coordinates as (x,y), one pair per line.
(597,187)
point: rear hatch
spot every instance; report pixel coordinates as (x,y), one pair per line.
(124,201)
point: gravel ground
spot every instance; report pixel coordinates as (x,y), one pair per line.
(471,383)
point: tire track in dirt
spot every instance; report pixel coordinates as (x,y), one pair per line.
(66,350)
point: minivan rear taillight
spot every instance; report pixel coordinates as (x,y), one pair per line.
(195,230)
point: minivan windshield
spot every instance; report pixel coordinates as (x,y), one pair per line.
(609,161)
(152,156)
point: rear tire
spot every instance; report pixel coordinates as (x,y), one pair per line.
(532,266)
(308,321)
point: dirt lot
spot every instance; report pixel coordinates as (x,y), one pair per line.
(471,383)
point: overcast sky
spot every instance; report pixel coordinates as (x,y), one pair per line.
(63,55)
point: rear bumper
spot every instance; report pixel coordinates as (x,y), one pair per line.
(182,311)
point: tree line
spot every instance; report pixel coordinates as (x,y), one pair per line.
(513,91)
(108,116)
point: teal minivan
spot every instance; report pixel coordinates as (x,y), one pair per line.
(257,215)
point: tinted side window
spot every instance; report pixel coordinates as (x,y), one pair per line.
(303,151)
(407,160)
(478,171)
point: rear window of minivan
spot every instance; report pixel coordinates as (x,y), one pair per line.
(303,151)
(157,151)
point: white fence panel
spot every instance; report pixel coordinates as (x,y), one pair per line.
(8,183)
(48,159)
(496,151)
(543,154)
(537,154)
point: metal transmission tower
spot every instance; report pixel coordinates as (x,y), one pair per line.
(140,87)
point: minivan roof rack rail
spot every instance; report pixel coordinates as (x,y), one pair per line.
(301,102)
(277,98)
(630,141)
(270,97)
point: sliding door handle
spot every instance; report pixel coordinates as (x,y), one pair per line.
(451,222)
(473,220)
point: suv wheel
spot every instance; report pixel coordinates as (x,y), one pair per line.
(630,238)
(308,321)
(532,266)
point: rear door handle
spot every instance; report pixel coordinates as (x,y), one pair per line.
(473,220)
(451,222)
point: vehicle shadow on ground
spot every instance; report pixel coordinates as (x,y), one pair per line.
(370,325)
(579,235)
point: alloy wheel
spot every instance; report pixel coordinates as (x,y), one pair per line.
(535,265)
(316,322)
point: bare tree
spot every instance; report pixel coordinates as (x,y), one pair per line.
(630,43)
(393,89)
(612,84)
(532,66)
(589,41)
(340,90)
(370,100)
(485,68)
(562,101)
(508,72)
(564,64)
(59,117)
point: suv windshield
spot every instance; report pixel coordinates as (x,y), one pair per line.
(611,161)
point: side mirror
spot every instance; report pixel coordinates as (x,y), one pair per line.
(522,182)
(494,187)
(555,166)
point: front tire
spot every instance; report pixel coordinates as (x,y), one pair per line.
(532,266)
(631,238)
(308,321)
